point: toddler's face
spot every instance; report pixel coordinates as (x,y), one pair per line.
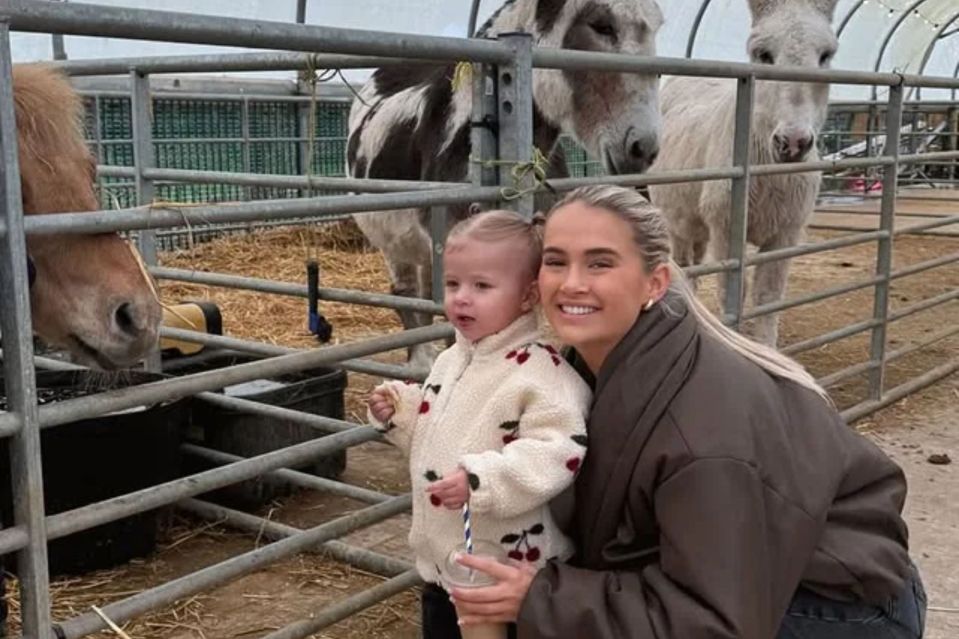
(487,285)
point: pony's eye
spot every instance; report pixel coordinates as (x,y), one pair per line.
(603,28)
(763,56)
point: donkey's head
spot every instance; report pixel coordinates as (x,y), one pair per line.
(791,33)
(615,116)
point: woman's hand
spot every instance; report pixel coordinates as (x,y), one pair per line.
(381,405)
(493,604)
(453,490)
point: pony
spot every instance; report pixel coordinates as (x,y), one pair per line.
(698,128)
(410,123)
(91,294)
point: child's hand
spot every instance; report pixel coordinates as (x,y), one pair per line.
(453,491)
(381,405)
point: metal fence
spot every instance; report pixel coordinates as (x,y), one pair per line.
(222,131)
(856,129)
(511,54)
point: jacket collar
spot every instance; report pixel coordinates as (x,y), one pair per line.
(523,330)
(634,387)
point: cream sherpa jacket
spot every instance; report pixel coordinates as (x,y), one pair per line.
(512,413)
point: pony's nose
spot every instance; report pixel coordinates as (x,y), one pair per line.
(793,147)
(130,319)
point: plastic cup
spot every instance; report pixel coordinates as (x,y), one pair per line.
(459,576)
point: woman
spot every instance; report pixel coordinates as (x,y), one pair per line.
(722,495)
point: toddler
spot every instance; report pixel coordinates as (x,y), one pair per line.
(500,420)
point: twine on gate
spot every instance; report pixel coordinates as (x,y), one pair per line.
(535,167)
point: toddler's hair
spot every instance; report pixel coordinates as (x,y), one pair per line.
(500,225)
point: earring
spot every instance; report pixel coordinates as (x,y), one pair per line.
(648,305)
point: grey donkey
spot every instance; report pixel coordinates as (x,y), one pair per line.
(698,126)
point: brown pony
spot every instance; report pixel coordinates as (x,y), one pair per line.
(91,294)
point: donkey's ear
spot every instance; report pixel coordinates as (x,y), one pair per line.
(760,8)
(547,13)
(826,7)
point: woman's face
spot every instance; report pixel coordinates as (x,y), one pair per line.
(593,281)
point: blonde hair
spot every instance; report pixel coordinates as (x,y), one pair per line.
(500,226)
(651,236)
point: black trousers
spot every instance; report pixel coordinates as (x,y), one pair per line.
(439,615)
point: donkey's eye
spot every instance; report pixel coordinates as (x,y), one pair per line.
(825,58)
(603,28)
(763,56)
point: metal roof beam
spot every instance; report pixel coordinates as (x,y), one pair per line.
(932,45)
(694,30)
(889,34)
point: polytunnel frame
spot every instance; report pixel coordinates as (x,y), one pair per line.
(513,54)
(843,23)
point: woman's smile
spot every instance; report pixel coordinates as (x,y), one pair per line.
(577,309)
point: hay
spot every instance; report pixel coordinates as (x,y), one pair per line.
(280,254)
(73,596)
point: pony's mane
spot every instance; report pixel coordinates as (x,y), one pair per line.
(56,168)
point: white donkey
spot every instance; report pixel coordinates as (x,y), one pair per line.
(698,125)
(410,124)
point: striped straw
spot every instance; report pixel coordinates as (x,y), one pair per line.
(467,532)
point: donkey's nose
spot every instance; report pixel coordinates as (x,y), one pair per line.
(130,319)
(641,152)
(793,147)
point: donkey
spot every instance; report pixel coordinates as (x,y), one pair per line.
(91,294)
(698,126)
(409,123)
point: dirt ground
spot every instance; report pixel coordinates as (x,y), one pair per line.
(912,432)
(924,424)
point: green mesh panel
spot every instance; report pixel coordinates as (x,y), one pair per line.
(208,135)
(578,162)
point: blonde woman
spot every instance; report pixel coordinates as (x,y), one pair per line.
(722,495)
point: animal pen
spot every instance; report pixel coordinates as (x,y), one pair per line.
(501,75)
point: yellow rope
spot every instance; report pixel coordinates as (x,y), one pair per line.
(535,167)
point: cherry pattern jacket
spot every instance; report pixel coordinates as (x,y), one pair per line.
(511,412)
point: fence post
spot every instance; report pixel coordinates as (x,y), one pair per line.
(483,129)
(98,149)
(739,202)
(304,134)
(872,119)
(25,470)
(515,121)
(887,211)
(952,143)
(141,108)
(245,131)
